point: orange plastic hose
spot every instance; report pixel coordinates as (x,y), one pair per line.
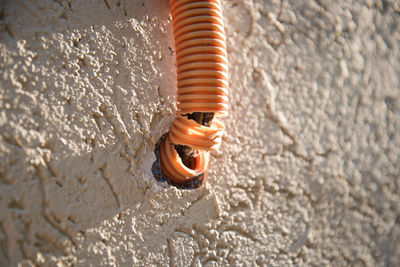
(202,74)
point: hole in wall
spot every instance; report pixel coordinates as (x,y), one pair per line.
(193,183)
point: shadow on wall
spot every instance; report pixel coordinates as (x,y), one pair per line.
(87,92)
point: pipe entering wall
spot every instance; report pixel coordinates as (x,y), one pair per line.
(202,74)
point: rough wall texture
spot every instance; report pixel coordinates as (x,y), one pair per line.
(308,173)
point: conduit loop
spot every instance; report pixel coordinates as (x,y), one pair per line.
(202,79)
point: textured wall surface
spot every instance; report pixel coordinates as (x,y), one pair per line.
(308,172)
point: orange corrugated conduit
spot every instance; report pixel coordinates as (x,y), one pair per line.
(202,73)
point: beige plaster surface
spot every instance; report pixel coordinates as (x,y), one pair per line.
(307,174)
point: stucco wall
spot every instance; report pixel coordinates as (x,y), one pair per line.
(308,172)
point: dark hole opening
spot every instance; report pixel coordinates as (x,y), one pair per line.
(187,154)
